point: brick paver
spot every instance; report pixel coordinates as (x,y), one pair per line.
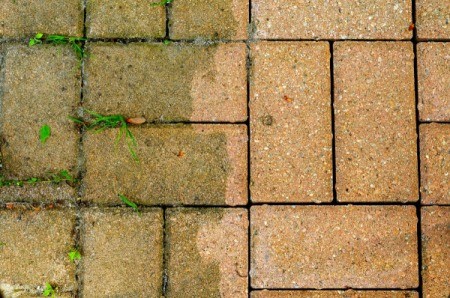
(178,164)
(24,18)
(35,246)
(334,294)
(291,122)
(168,82)
(122,253)
(433,19)
(38,193)
(377,19)
(375,127)
(433,64)
(435,251)
(334,247)
(124,19)
(41,86)
(207,253)
(435,163)
(209,19)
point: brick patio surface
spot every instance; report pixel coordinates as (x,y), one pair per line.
(225,148)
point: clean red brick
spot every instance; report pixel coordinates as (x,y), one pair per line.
(333,247)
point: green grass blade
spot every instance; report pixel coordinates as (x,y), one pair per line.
(129,203)
(44,133)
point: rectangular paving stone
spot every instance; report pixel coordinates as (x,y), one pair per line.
(209,19)
(290,106)
(178,164)
(333,247)
(35,248)
(122,253)
(435,163)
(435,251)
(124,19)
(38,193)
(207,252)
(433,72)
(375,125)
(433,19)
(41,87)
(334,294)
(298,19)
(24,18)
(176,82)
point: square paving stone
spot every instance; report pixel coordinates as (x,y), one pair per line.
(125,19)
(176,82)
(333,247)
(433,71)
(122,253)
(435,251)
(24,18)
(433,19)
(290,106)
(207,252)
(375,122)
(41,87)
(34,248)
(178,164)
(209,19)
(299,19)
(435,163)
(334,294)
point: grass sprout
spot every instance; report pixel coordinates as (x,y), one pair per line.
(161,3)
(59,177)
(49,291)
(44,133)
(74,254)
(129,203)
(74,42)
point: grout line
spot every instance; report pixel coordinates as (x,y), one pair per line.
(164,281)
(249,201)
(167,9)
(333,131)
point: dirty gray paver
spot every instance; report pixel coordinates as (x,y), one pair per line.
(334,294)
(124,19)
(41,86)
(290,107)
(375,122)
(298,19)
(176,82)
(122,253)
(178,164)
(333,247)
(207,252)
(433,19)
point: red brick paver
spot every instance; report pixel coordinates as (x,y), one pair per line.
(334,294)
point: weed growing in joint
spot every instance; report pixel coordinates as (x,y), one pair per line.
(161,3)
(61,176)
(74,42)
(129,203)
(74,254)
(49,291)
(44,133)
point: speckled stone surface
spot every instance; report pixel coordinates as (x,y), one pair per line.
(435,251)
(209,19)
(376,19)
(290,107)
(435,163)
(375,125)
(25,18)
(207,252)
(334,294)
(333,247)
(35,248)
(41,86)
(433,19)
(38,193)
(178,164)
(433,73)
(122,253)
(124,19)
(176,82)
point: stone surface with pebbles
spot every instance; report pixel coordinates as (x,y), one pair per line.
(433,19)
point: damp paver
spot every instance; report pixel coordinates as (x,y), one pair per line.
(209,19)
(290,107)
(435,163)
(178,164)
(433,73)
(24,18)
(207,251)
(435,251)
(41,87)
(122,253)
(38,193)
(433,19)
(176,82)
(297,19)
(34,248)
(334,294)
(124,19)
(375,125)
(333,247)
